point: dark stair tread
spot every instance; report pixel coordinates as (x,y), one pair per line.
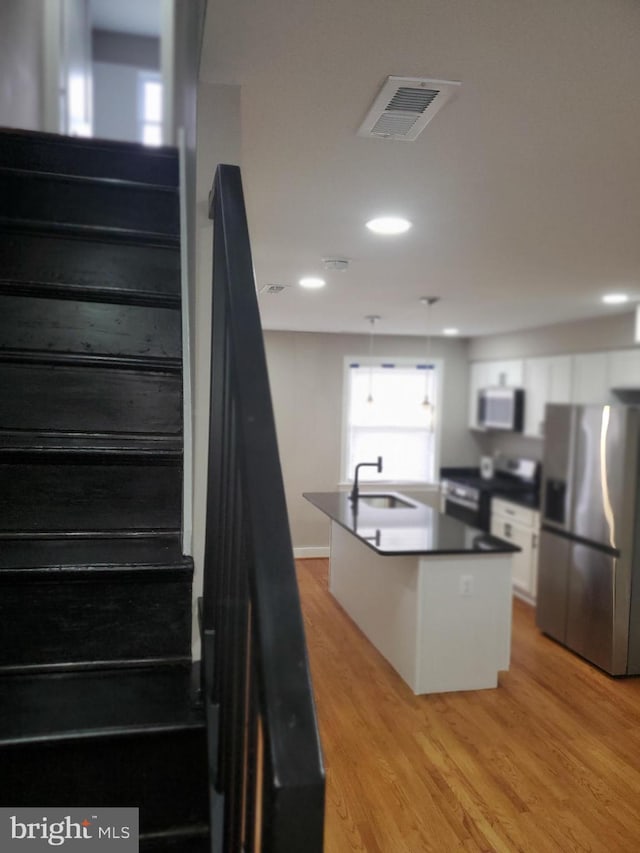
(119,549)
(106,233)
(84,492)
(36,441)
(87,180)
(91,157)
(49,358)
(86,327)
(98,703)
(74,266)
(192,839)
(88,202)
(71,291)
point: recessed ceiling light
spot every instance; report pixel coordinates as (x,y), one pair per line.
(312,282)
(388,225)
(615,298)
(451,332)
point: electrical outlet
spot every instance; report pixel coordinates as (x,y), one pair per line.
(466,585)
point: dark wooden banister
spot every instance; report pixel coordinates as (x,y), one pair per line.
(267,773)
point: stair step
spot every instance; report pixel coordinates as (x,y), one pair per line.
(89,269)
(48,358)
(82,231)
(92,202)
(34,442)
(89,328)
(48,495)
(132,737)
(102,399)
(191,840)
(48,152)
(77,704)
(91,549)
(93,602)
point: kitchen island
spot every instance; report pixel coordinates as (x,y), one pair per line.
(432,594)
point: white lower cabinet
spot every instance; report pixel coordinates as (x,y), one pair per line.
(520,526)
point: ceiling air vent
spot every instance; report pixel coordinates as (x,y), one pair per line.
(273,288)
(405,106)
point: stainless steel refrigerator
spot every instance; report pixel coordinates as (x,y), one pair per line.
(589,565)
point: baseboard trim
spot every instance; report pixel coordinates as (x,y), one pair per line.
(523,596)
(303,553)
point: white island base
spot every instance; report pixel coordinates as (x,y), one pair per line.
(442,621)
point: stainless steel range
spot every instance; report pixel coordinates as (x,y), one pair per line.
(467,495)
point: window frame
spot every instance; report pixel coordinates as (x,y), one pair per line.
(346,477)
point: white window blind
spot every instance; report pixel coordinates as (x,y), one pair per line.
(386,416)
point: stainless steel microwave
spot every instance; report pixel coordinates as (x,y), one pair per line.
(501,408)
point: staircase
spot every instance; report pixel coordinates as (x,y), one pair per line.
(99,700)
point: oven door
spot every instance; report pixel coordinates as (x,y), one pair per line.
(463,509)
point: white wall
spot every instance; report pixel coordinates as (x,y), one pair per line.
(115,98)
(218,141)
(118,59)
(21,70)
(613,331)
(125,49)
(306,373)
(188,24)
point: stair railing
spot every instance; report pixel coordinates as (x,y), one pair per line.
(264,747)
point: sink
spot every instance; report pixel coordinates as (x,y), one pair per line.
(384,501)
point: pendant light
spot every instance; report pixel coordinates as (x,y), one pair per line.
(428,301)
(373,319)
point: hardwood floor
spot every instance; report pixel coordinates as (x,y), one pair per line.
(549,761)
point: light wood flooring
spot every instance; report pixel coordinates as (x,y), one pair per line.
(549,761)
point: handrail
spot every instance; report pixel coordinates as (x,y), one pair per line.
(267,770)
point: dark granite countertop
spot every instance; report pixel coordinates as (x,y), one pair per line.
(414,529)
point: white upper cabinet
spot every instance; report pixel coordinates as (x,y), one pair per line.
(582,378)
(509,373)
(590,382)
(624,369)
(546,380)
(478,378)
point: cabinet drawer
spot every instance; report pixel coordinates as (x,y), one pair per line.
(514,512)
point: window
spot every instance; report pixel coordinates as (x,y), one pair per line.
(391,410)
(150,108)
(78,106)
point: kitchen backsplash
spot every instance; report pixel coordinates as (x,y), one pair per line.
(508,444)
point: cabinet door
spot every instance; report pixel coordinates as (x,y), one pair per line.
(508,372)
(478,378)
(589,381)
(624,369)
(535,538)
(560,372)
(536,385)
(521,536)
(546,380)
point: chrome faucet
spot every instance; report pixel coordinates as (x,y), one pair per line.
(354,492)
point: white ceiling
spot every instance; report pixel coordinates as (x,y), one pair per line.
(135,17)
(524,190)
